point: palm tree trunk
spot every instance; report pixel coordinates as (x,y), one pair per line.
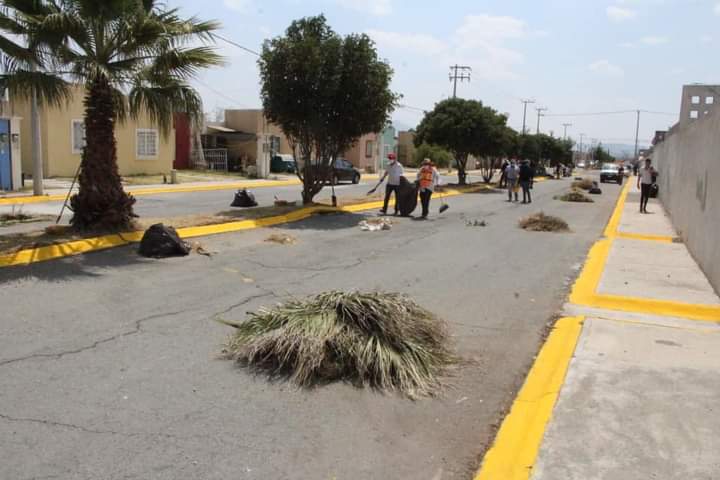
(101,203)
(37,161)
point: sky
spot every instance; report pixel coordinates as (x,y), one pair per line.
(569,56)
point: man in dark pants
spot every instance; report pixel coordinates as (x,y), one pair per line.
(393,172)
(503,175)
(427,179)
(526,179)
(646,178)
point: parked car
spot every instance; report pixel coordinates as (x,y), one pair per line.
(341,170)
(282,163)
(344,171)
(610,173)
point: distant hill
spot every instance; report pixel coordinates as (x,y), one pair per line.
(620,150)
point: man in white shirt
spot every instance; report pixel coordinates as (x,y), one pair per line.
(646,179)
(393,172)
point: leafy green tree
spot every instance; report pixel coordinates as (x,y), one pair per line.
(324,91)
(439,156)
(601,155)
(464,127)
(131,57)
(502,144)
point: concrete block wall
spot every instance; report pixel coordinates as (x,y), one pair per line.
(688,162)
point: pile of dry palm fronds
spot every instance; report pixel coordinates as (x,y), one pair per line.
(585,184)
(575,196)
(540,222)
(382,340)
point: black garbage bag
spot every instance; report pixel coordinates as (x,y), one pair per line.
(160,241)
(407,197)
(243,198)
(595,190)
(654,189)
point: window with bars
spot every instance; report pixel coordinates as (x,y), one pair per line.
(147,143)
(78,136)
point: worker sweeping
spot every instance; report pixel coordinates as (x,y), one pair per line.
(427,178)
(393,172)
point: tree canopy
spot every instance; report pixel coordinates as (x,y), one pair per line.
(324,91)
(464,127)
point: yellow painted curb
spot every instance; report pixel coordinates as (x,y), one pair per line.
(642,236)
(50,252)
(587,282)
(667,308)
(514,452)
(612,227)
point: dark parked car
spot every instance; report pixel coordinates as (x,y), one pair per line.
(341,171)
(610,173)
(282,163)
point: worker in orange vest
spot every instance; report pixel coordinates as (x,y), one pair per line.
(427,179)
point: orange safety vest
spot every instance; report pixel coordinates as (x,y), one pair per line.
(426,177)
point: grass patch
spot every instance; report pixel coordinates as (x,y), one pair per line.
(575,196)
(381,340)
(584,184)
(540,222)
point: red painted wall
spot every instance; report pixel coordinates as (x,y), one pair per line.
(182,141)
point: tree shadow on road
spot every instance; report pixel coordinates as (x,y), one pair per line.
(86,265)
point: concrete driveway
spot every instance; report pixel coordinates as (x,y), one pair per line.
(109,362)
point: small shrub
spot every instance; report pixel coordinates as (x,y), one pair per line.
(575,196)
(383,340)
(540,222)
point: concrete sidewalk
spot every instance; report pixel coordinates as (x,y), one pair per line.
(639,394)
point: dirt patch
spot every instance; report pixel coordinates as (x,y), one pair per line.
(18,216)
(575,196)
(281,239)
(540,222)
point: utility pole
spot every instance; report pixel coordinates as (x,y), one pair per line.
(525,104)
(637,136)
(581,146)
(540,114)
(459,72)
(565,126)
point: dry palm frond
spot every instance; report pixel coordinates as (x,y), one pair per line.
(585,184)
(382,340)
(575,196)
(540,222)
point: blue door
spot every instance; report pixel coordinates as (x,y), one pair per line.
(5,168)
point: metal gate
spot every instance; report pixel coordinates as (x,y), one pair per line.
(5,167)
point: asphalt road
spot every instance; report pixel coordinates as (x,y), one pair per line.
(109,362)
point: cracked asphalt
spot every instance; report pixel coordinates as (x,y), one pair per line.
(110,363)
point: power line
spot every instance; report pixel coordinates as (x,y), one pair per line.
(235,44)
(589,114)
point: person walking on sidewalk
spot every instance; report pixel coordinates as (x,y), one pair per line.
(511,179)
(526,180)
(393,172)
(645,181)
(427,178)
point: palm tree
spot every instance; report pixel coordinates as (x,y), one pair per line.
(133,58)
(23,57)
